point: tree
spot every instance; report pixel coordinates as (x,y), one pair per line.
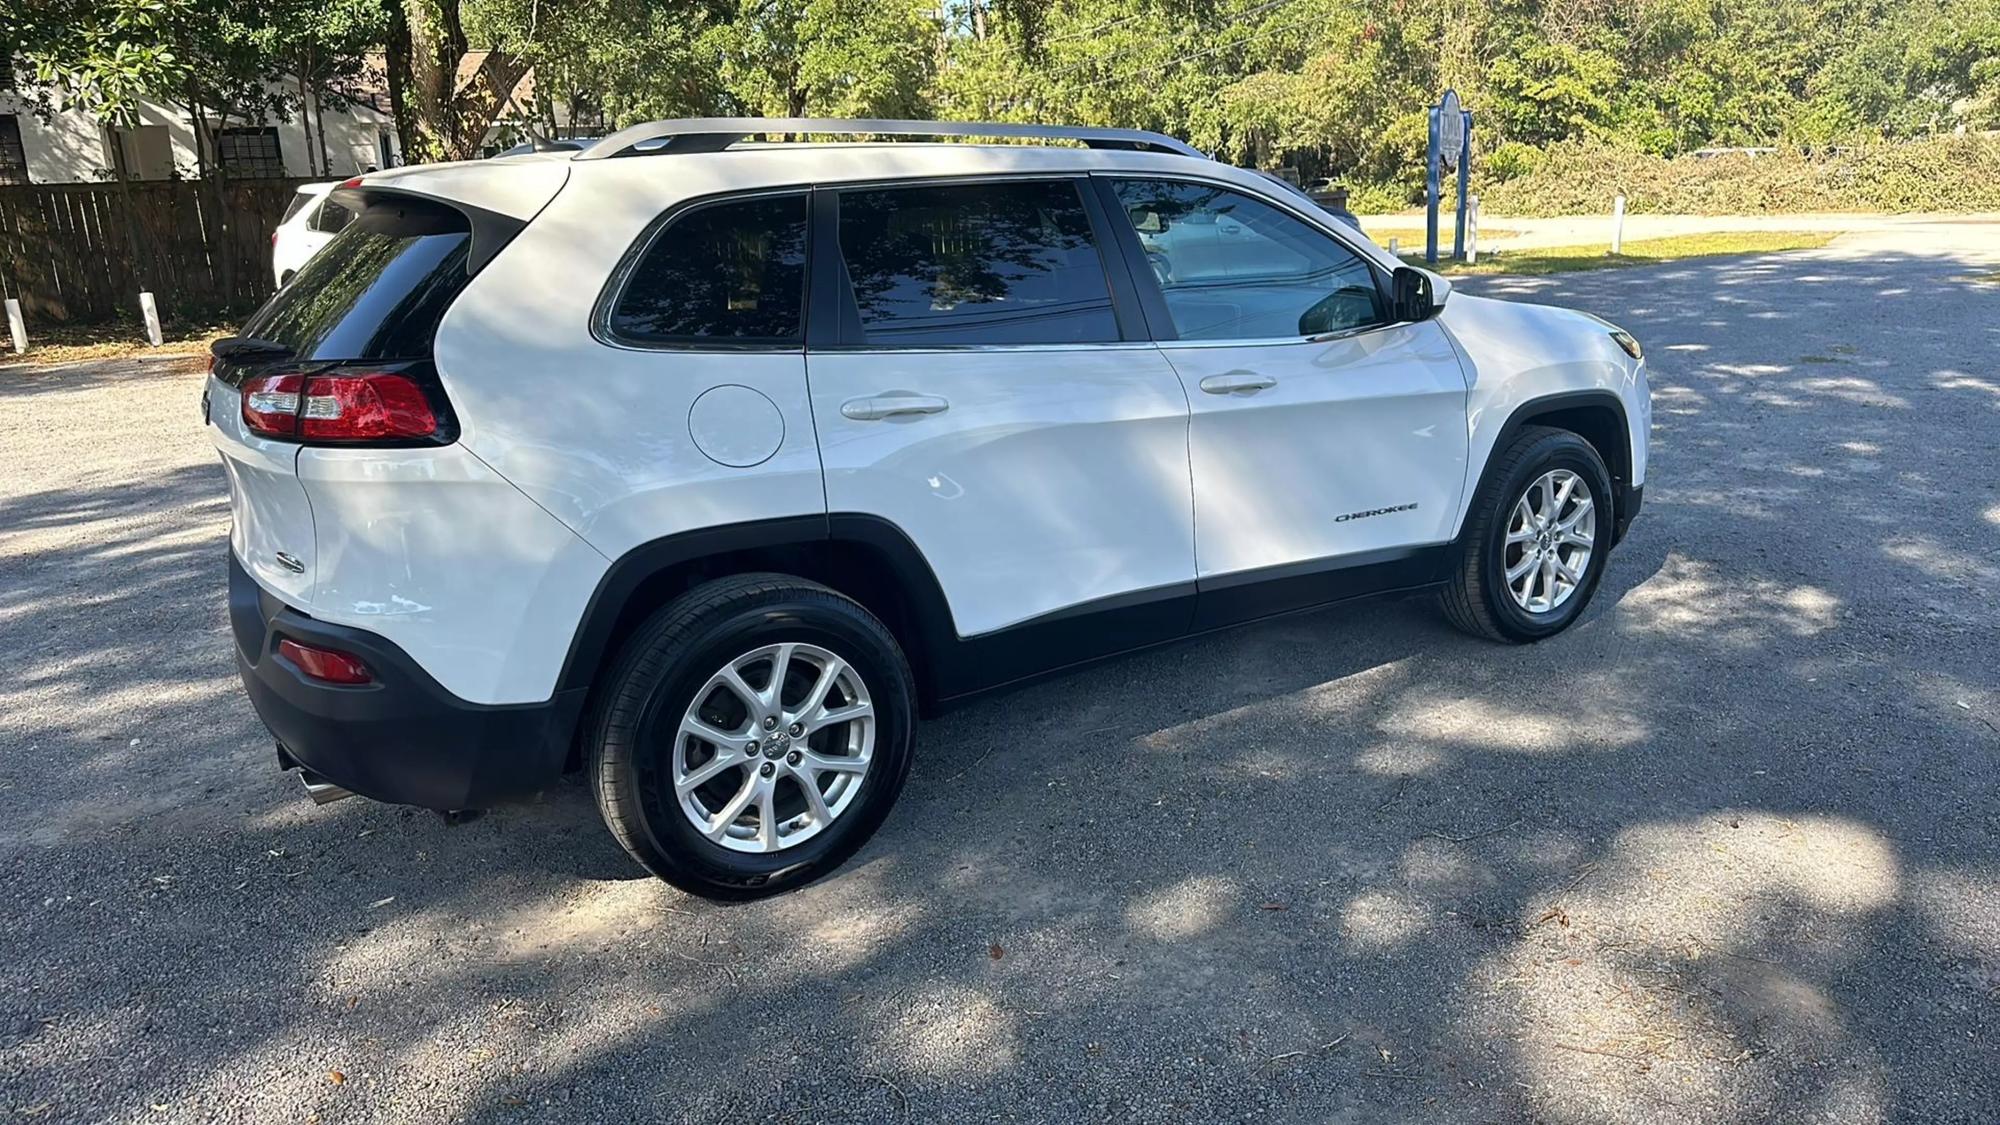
(831,58)
(324,44)
(105,57)
(443,94)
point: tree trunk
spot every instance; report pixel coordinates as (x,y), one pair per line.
(396,60)
(319,114)
(141,271)
(218,178)
(441,117)
(316,92)
(306,123)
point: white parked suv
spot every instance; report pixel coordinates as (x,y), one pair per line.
(708,466)
(310,222)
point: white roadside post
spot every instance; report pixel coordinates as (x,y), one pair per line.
(1618,226)
(16,326)
(1396,246)
(1471,230)
(151,312)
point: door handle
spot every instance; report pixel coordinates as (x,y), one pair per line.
(1237,383)
(873,408)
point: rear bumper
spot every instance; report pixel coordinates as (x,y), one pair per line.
(403,738)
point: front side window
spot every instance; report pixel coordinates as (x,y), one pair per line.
(1009,262)
(1232,267)
(731,272)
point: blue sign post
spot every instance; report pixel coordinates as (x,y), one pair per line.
(1450,150)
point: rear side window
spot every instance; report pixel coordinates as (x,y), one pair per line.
(331,218)
(298,203)
(378,289)
(1009,262)
(730,273)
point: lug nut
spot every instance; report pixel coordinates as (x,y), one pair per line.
(793,758)
(769,722)
(767,769)
(798,729)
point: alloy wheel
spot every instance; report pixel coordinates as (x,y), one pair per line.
(1550,537)
(774,748)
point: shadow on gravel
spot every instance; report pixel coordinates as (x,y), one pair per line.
(1727,850)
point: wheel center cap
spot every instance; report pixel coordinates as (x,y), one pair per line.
(1547,540)
(776,745)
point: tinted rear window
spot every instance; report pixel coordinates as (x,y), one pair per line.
(377,290)
(731,272)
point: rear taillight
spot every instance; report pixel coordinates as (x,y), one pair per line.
(364,407)
(327,665)
(271,404)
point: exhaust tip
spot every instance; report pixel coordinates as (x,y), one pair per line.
(322,791)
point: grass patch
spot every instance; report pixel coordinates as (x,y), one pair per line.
(112,339)
(1569,259)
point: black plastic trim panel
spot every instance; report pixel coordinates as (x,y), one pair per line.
(404,738)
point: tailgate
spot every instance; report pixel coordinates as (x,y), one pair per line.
(271,524)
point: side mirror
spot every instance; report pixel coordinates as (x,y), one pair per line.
(1413,295)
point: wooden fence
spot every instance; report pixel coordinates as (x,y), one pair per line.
(65,256)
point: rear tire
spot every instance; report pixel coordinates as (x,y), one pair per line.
(726,813)
(1536,539)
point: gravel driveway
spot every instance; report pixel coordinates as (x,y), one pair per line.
(1729,850)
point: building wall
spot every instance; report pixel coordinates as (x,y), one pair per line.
(71,148)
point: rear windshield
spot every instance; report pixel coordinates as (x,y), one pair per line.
(378,288)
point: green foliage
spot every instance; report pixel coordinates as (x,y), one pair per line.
(1958,173)
(103,56)
(1511,159)
(1323,88)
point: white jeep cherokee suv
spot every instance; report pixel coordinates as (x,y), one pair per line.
(709,466)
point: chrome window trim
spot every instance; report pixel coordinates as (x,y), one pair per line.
(615,284)
(941,349)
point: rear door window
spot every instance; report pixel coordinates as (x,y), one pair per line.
(723,273)
(378,289)
(1006,262)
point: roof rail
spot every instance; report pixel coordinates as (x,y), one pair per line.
(713,134)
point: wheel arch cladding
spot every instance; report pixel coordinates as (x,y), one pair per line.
(1597,416)
(861,557)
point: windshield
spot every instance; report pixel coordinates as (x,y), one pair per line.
(378,289)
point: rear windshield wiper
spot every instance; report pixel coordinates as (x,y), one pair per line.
(248,347)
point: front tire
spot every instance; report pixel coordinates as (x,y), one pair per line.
(1536,539)
(755,733)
